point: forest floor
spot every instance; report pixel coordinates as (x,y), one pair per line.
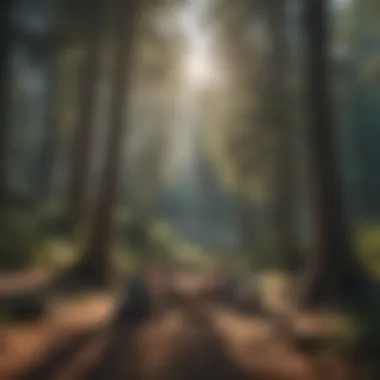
(74,342)
(12,282)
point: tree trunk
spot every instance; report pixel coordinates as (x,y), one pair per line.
(88,95)
(96,259)
(50,145)
(335,273)
(5,95)
(279,120)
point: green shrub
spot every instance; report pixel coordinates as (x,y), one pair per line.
(19,236)
(368,246)
(56,221)
(20,200)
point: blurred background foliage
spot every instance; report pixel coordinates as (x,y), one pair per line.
(242,122)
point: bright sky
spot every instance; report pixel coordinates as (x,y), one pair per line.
(342,3)
(198,61)
(197,71)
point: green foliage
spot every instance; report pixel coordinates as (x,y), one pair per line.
(368,245)
(136,235)
(24,225)
(371,69)
(19,237)
(57,221)
(55,254)
(20,200)
(243,138)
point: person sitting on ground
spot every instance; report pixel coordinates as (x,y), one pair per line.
(228,290)
(135,303)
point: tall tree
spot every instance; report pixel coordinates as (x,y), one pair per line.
(255,144)
(51,139)
(96,259)
(5,46)
(155,73)
(335,271)
(92,33)
(275,105)
(51,46)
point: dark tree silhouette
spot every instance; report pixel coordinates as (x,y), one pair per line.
(96,259)
(91,66)
(276,115)
(335,270)
(50,144)
(5,46)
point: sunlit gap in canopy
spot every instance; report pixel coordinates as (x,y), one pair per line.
(199,66)
(198,73)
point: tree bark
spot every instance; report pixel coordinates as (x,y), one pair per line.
(335,272)
(83,137)
(96,258)
(5,95)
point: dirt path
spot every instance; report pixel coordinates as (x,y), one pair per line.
(25,343)
(76,344)
(169,347)
(17,281)
(255,345)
